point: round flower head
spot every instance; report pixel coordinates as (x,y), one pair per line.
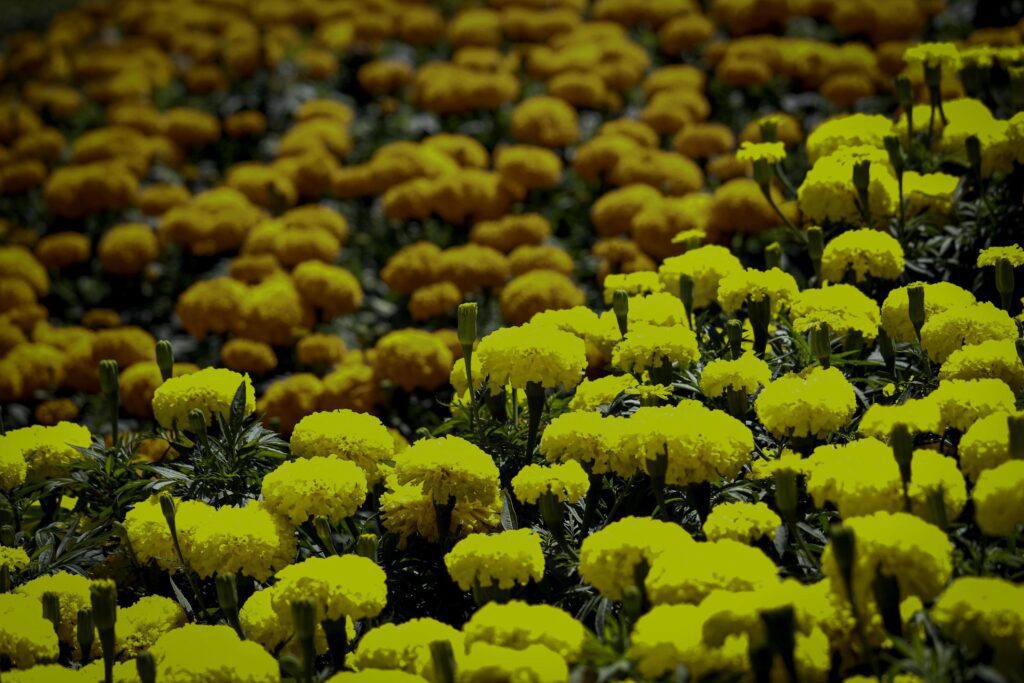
(141,624)
(518,625)
(609,557)
(26,637)
(634,284)
(215,654)
(349,435)
(933,473)
(407,510)
(414,359)
(340,586)
(865,252)
(940,55)
(854,130)
(485,663)
(517,356)
(843,309)
(405,647)
(448,467)
(946,332)
(591,394)
(986,444)
(706,266)
(919,416)
(743,522)
(505,559)
(964,402)
(660,308)
(688,574)
(72,591)
(648,346)
(912,551)
(672,635)
(13,559)
(994,359)
(771,152)
(938,297)
(828,195)
(375,676)
(736,288)
(249,540)
(748,373)
(999,499)
(309,487)
(37,453)
(859,477)
(979,611)
(150,536)
(815,402)
(567,482)
(993,255)
(210,390)
(591,439)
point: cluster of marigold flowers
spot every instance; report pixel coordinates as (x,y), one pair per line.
(567,176)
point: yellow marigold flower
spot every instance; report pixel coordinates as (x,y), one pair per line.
(938,298)
(472,267)
(747,373)
(376,675)
(737,287)
(843,309)
(743,522)
(352,386)
(197,652)
(978,611)
(772,152)
(150,536)
(434,300)
(707,266)
(609,557)
(320,350)
(700,444)
(289,399)
(126,249)
(670,635)
(49,413)
(532,257)
(408,510)
(273,312)
(932,472)
(993,359)
(509,232)
(411,267)
(926,192)
(485,662)
(414,359)
(594,393)
(504,560)
(999,498)
(249,540)
(340,586)
(209,390)
(25,636)
(140,625)
(828,194)
(211,306)
(308,487)
(942,55)
(332,290)
(545,121)
(448,467)
(917,415)
(43,452)
(964,402)
(536,291)
(517,356)
(986,444)
(357,437)
(13,559)
(690,573)
(591,439)
(865,252)
(126,345)
(648,346)
(633,284)
(768,467)
(18,262)
(848,131)
(915,553)
(993,255)
(518,625)
(528,166)
(661,309)
(71,589)
(405,648)
(247,355)
(63,249)
(567,482)
(815,402)
(860,477)
(139,382)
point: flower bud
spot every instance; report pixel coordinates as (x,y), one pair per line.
(686,294)
(227,593)
(620,305)
(821,345)
(815,247)
(103,596)
(895,150)
(844,548)
(165,359)
(763,176)
(444,661)
(145,665)
(936,513)
(773,256)
(902,442)
(973,145)
(86,632)
(769,130)
(1004,279)
(366,546)
(197,422)
(905,94)
(51,609)
(734,333)
(632,602)
(325,533)
(915,308)
(786,494)
(887,596)
(467,315)
(888,350)
(760,313)
(862,182)
(108,378)
(780,627)
(167,508)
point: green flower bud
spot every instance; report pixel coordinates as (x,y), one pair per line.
(467,315)
(304,619)
(620,305)
(887,349)
(197,422)
(734,333)
(444,661)
(108,378)
(145,665)
(844,548)
(915,307)
(165,359)
(686,294)
(887,596)
(366,546)
(769,130)
(51,609)
(786,494)
(325,533)
(103,596)
(86,633)
(821,345)
(773,256)
(895,150)
(973,145)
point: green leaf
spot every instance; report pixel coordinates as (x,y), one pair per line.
(237,408)
(508,512)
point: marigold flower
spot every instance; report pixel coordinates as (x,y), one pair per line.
(843,309)
(210,390)
(43,452)
(865,252)
(211,653)
(743,522)
(964,402)
(340,586)
(139,383)
(504,560)
(938,297)
(405,647)
(414,359)
(348,435)
(986,443)
(917,415)
(126,249)
(707,266)
(609,557)
(518,625)
(248,356)
(647,346)
(536,291)
(26,637)
(408,510)
(670,635)
(63,249)
(592,394)
(567,482)
(249,540)
(688,574)
(532,353)
(815,402)
(545,121)
(738,287)
(308,487)
(448,467)
(998,499)
(948,331)
(747,373)
(978,611)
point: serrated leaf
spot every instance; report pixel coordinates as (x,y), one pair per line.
(238,407)
(508,512)
(182,600)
